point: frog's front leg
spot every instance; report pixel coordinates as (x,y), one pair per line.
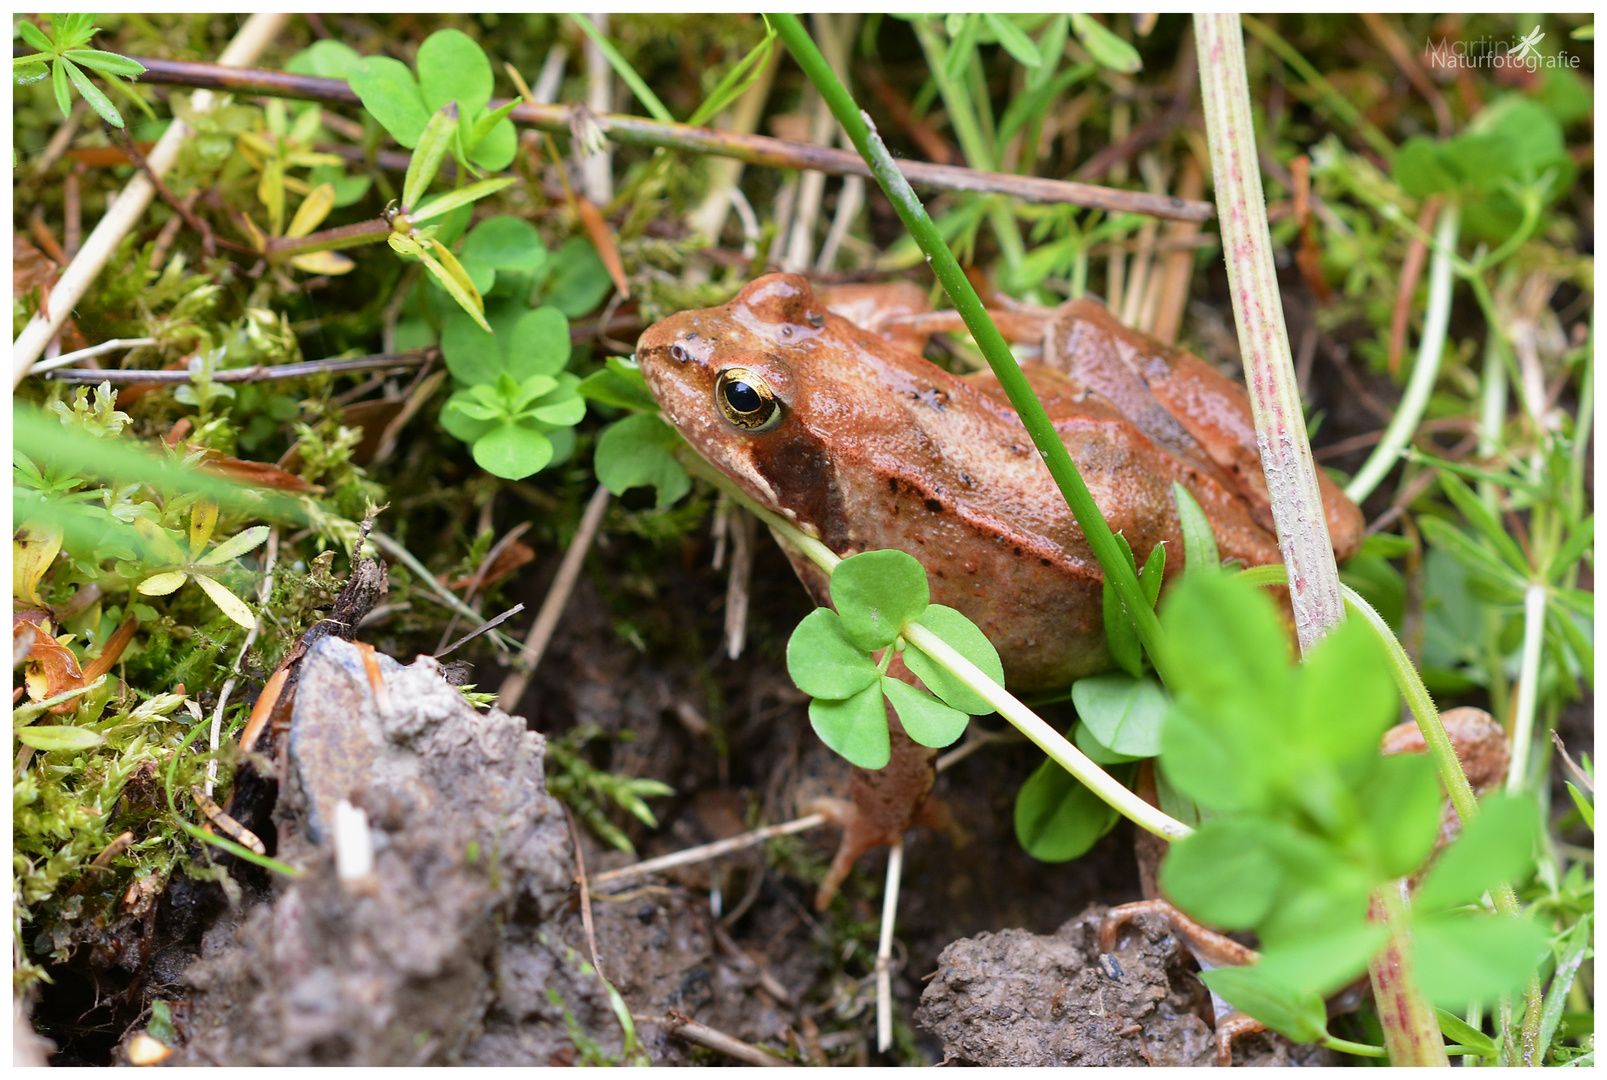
(884,803)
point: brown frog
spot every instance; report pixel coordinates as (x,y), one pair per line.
(863,443)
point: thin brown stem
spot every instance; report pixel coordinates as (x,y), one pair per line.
(753,149)
(209,243)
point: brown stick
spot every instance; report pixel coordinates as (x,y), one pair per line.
(208,241)
(1411,271)
(552,608)
(683,1026)
(753,149)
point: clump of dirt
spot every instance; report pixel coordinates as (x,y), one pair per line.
(1021,999)
(444,952)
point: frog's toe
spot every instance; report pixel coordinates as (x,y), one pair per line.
(860,834)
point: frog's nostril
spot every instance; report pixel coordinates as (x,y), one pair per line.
(678,354)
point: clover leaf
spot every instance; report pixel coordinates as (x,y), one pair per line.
(451,68)
(877,594)
(515,404)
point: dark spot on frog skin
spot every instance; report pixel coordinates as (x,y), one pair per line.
(817,320)
(892,484)
(801,468)
(934,506)
(1047,562)
(932,397)
(966,477)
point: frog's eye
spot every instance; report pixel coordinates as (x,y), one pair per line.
(746,399)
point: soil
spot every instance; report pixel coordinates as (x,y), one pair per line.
(448,951)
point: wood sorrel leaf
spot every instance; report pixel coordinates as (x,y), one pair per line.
(965,638)
(876,593)
(472,353)
(824,662)
(539,344)
(1097,752)
(1056,817)
(506,242)
(1123,713)
(621,385)
(1325,962)
(926,719)
(637,451)
(512,451)
(855,727)
(391,94)
(451,67)
(1344,695)
(1399,799)
(1228,656)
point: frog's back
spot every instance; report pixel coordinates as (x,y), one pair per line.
(869,446)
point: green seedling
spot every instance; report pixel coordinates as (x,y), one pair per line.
(1307,820)
(61,56)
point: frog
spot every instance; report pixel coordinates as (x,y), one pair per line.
(819,405)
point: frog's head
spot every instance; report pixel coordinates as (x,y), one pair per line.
(734,381)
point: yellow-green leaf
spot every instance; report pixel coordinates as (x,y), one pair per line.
(236,546)
(234,607)
(33,549)
(271,190)
(455,280)
(203,522)
(159,540)
(48,737)
(312,211)
(324,262)
(162,584)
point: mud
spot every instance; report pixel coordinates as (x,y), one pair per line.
(1019,999)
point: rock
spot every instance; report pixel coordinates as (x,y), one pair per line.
(442,954)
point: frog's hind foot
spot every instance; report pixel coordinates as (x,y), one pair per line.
(1210,948)
(862,834)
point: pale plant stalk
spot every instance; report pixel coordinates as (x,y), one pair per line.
(884,949)
(1029,723)
(129,206)
(1411,1031)
(1436,321)
(1534,625)
(1286,459)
